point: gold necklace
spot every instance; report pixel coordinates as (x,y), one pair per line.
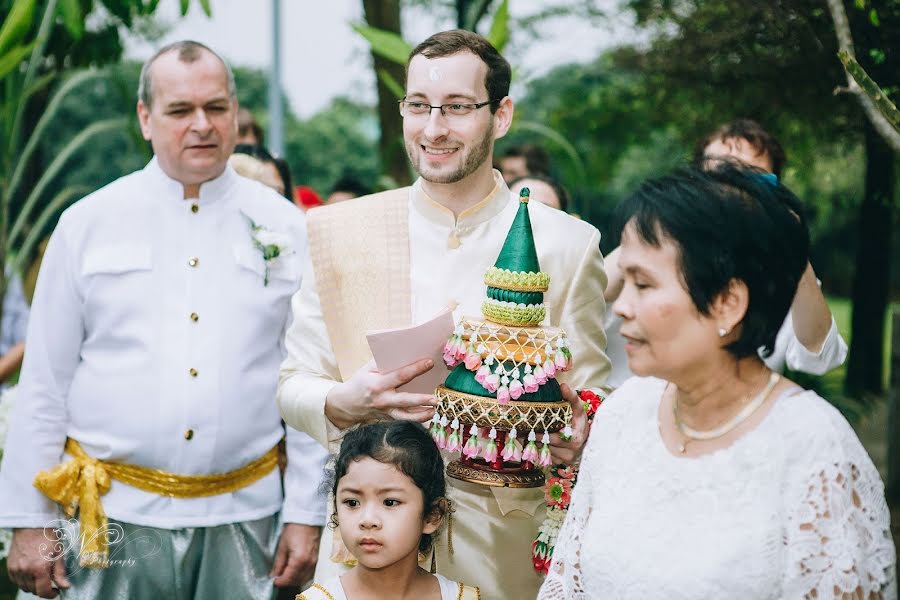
(731,424)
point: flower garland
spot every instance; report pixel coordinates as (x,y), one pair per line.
(557,494)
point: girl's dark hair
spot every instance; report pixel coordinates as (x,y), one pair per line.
(728,224)
(405,445)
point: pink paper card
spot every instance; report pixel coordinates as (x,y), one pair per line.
(395,348)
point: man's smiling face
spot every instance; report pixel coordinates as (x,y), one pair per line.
(448,149)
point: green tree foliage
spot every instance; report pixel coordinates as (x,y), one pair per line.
(777,62)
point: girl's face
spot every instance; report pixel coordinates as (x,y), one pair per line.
(380,513)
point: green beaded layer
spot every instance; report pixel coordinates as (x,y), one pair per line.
(517,280)
(517,315)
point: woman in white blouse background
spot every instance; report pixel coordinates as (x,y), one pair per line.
(709,475)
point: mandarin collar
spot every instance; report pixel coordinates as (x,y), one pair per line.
(488,208)
(210,191)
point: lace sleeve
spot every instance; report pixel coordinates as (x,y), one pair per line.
(838,539)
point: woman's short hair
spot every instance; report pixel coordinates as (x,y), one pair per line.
(407,446)
(728,224)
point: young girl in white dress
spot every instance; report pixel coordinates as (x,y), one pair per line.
(390,498)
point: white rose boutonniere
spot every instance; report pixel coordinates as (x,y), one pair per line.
(271,244)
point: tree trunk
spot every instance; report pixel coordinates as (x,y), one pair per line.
(865,369)
(893,422)
(385,14)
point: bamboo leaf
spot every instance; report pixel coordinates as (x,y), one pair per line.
(41,82)
(499,33)
(392,84)
(204,4)
(559,140)
(386,44)
(72,17)
(16,24)
(74,145)
(59,201)
(185,5)
(13,58)
(37,56)
(47,116)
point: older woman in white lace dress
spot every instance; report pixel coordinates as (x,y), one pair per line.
(710,476)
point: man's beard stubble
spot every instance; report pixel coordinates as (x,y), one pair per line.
(476,157)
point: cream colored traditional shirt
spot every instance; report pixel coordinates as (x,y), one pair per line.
(493,527)
(448,257)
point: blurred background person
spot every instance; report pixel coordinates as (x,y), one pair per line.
(12,330)
(519,161)
(545,190)
(809,340)
(249,130)
(347,188)
(711,475)
(258,164)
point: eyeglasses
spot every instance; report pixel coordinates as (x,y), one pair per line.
(411,108)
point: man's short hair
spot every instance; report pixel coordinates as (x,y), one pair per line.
(455,41)
(537,161)
(761,140)
(189,51)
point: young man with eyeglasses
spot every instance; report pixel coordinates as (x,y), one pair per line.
(400,257)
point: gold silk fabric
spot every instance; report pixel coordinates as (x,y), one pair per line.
(79,483)
(360,257)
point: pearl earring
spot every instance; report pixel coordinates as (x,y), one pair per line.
(722,331)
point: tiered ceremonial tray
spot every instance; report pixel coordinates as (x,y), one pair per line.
(501,399)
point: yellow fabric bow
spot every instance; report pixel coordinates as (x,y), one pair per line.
(78,484)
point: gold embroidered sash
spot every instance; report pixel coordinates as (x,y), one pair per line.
(79,483)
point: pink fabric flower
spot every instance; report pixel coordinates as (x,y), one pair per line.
(561,362)
(473,360)
(454,441)
(471,448)
(503,395)
(515,389)
(549,368)
(530,453)
(491,382)
(539,375)
(512,450)
(482,374)
(490,451)
(530,384)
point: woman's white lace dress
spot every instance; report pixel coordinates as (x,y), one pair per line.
(792,509)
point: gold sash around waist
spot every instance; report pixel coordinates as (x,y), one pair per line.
(79,483)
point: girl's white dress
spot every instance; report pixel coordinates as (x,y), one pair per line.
(331,589)
(793,509)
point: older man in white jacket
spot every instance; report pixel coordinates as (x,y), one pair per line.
(147,397)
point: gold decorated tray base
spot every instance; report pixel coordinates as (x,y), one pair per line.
(487,412)
(521,478)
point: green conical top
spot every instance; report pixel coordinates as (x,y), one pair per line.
(518,253)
